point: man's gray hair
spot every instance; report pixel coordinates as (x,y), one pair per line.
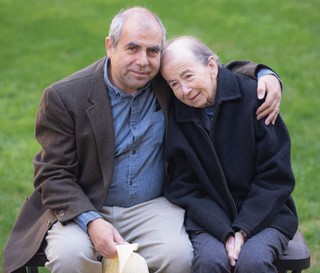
(120,18)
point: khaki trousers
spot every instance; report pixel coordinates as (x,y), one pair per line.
(156,225)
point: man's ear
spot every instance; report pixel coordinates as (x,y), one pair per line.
(108,46)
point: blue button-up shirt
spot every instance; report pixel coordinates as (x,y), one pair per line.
(139,127)
(139,135)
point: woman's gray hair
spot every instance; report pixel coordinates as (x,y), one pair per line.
(120,18)
(200,50)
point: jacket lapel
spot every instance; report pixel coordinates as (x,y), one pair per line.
(100,116)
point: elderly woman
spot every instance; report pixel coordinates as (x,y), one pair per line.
(229,171)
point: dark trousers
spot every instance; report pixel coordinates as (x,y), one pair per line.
(257,254)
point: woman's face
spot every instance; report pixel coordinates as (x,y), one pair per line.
(192,82)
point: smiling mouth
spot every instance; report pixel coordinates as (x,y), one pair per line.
(194,97)
(141,74)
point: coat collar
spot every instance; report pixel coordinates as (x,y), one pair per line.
(97,84)
(162,92)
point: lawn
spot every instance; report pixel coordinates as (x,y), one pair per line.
(43,41)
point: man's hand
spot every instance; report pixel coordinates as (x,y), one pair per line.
(104,237)
(233,247)
(270,85)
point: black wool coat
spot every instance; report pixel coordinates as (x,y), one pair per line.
(239,175)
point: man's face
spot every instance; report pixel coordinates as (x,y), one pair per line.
(136,58)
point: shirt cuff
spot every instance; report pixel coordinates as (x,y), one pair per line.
(266,71)
(85,218)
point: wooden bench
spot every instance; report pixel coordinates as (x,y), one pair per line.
(295,259)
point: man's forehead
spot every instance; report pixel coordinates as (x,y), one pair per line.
(140,39)
(142,23)
(141,34)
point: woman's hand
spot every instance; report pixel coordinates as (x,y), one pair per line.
(234,245)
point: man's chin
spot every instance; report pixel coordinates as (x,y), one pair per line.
(139,83)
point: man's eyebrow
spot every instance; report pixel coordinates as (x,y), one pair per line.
(132,44)
(156,48)
(135,45)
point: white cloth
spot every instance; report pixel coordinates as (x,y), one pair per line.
(127,261)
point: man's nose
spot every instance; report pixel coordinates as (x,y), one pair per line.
(143,58)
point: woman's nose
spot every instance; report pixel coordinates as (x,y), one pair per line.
(185,88)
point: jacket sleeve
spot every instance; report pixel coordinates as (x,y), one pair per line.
(56,166)
(247,68)
(274,180)
(184,190)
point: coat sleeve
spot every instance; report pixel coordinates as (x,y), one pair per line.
(56,166)
(184,190)
(246,68)
(274,180)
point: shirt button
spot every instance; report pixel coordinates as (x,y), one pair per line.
(133,152)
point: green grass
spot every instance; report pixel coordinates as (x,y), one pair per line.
(43,41)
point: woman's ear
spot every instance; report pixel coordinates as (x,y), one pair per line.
(213,66)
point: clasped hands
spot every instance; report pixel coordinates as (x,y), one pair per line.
(233,246)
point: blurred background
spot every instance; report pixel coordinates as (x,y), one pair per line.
(42,41)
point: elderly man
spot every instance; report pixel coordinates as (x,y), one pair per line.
(100,173)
